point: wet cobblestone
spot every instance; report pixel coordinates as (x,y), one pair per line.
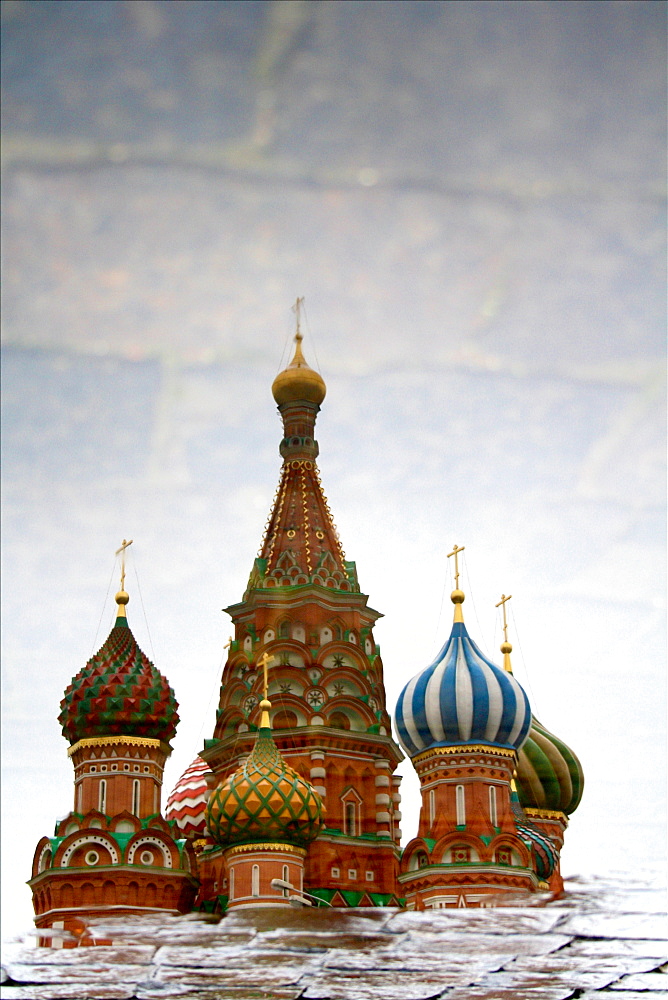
(551,952)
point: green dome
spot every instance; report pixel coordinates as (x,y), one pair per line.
(549,775)
(264,800)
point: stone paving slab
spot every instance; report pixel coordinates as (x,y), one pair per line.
(613,925)
(244,974)
(542,992)
(653,982)
(84,973)
(513,920)
(180,991)
(101,955)
(379,986)
(197,932)
(411,961)
(616,994)
(641,947)
(69,991)
(458,943)
(318,941)
(212,955)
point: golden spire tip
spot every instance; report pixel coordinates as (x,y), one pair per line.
(265,704)
(122,597)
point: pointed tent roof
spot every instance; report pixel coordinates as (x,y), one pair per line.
(301,544)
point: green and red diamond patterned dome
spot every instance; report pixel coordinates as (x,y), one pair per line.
(119,693)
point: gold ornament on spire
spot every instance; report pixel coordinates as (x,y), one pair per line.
(298,383)
(122,597)
(505,647)
(265,661)
(457,596)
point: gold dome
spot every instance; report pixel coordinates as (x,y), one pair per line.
(298,383)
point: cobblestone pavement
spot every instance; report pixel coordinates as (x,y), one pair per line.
(603,940)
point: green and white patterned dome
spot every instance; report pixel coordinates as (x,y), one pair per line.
(264,800)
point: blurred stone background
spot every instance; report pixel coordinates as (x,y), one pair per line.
(471,198)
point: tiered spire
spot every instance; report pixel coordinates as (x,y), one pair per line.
(301,544)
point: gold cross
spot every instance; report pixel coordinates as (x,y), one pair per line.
(297,311)
(455,552)
(264,662)
(121,552)
(228,643)
(502,603)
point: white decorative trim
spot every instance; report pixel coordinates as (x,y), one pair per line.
(166,854)
(88,839)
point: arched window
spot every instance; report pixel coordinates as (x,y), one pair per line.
(79,798)
(286,878)
(231,884)
(284,630)
(339,720)
(135,797)
(285,720)
(492,806)
(102,798)
(461,805)
(255,881)
(248,644)
(432,806)
(349,824)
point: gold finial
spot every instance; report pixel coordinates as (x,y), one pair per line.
(297,310)
(298,382)
(265,704)
(506,647)
(457,596)
(122,597)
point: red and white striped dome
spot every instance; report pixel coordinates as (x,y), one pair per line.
(187,802)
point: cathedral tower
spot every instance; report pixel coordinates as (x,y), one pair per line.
(304,615)
(114,854)
(462,722)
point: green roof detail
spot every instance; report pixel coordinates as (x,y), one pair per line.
(264,800)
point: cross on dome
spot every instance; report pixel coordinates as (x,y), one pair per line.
(505,647)
(457,596)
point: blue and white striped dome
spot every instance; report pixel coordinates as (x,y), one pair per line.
(462,698)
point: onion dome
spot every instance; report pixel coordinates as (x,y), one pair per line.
(545,854)
(462,698)
(187,803)
(549,775)
(265,799)
(119,691)
(298,382)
